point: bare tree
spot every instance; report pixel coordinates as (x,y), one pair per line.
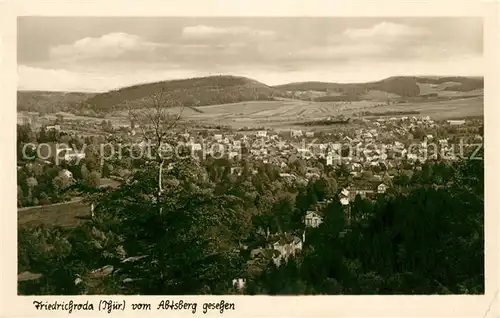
(156,113)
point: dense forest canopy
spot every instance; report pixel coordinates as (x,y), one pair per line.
(424,236)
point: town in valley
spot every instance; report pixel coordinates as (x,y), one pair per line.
(226,184)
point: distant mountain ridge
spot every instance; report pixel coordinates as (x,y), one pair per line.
(224,89)
(402,86)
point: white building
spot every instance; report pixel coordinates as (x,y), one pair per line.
(381,188)
(69,154)
(456,122)
(66,173)
(344,197)
(305,153)
(74,156)
(55,127)
(412,156)
(329,160)
(196,147)
(286,247)
(313,219)
(344,201)
(239,283)
(262,133)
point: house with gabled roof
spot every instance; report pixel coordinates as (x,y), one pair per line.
(313,219)
(261,133)
(287,246)
(381,188)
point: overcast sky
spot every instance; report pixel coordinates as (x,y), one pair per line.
(99,54)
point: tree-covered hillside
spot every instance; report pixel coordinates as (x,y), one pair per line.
(49,102)
(425,236)
(188,92)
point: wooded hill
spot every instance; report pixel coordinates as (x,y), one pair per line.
(402,86)
(49,102)
(201,91)
(213,90)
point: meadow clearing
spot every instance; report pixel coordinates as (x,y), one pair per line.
(67,214)
(283,114)
(279,114)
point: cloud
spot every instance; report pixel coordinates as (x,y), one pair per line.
(383,41)
(45,79)
(273,55)
(342,52)
(385,30)
(206,47)
(110,45)
(204,32)
(114,50)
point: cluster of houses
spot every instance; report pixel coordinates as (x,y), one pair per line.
(359,149)
(281,247)
(378,143)
(315,217)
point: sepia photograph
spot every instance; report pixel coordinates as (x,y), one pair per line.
(250,156)
(249,159)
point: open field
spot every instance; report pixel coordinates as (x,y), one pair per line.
(65,214)
(439,89)
(467,107)
(284,113)
(68,214)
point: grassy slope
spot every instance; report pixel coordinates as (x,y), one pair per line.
(65,214)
